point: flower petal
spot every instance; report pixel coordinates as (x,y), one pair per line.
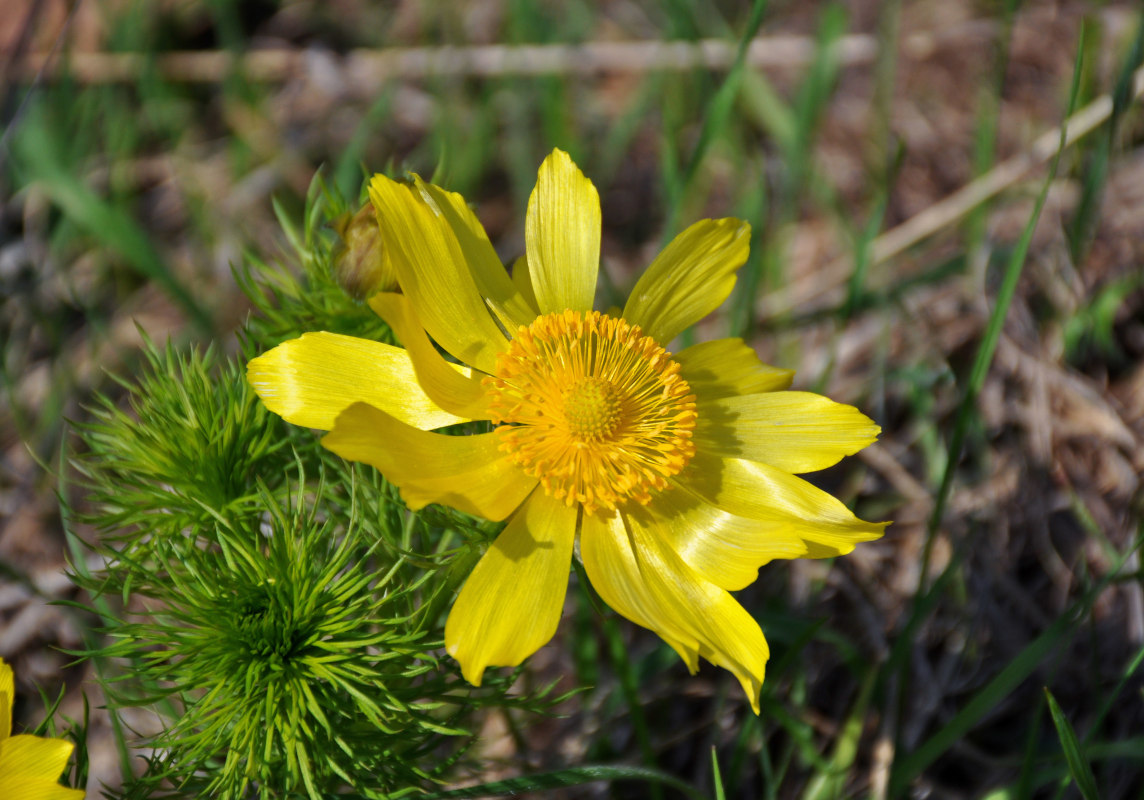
(7,698)
(31,759)
(562,236)
(689,279)
(794,431)
(826,527)
(728,517)
(510,606)
(728,367)
(643,579)
(465,472)
(453,390)
(433,272)
(493,282)
(726,548)
(522,279)
(308,381)
(15,788)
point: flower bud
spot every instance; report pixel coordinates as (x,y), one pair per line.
(361,265)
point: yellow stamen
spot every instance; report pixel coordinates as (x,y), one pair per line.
(592,408)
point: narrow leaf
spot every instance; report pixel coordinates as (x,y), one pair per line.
(1078,765)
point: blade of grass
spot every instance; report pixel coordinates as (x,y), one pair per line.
(765,107)
(795,723)
(107,224)
(885,80)
(347,171)
(1045,772)
(992,334)
(954,207)
(1091,749)
(906,769)
(766,768)
(965,410)
(793,128)
(753,206)
(717,776)
(714,121)
(748,740)
(831,783)
(856,288)
(988,115)
(1129,672)
(1024,786)
(813,95)
(1079,768)
(893,677)
(14,123)
(1083,226)
(681,20)
(1053,640)
(629,686)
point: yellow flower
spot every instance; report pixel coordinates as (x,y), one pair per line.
(672,477)
(30,766)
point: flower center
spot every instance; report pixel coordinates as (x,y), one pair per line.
(592,408)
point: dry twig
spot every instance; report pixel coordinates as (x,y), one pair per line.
(945,212)
(365,70)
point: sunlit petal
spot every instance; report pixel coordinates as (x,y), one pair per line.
(728,517)
(689,279)
(450,388)
(433,272)
(726,548)
(510,606)
(31,759)
(797,509)
(464,472)
(492,280)
(728,367)
(30,766)
(522,279)
(13,788)
(562,236)
(640,577)
(794,431)
(308,381)
(7,697)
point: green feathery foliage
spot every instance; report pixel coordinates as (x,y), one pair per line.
(185,453)
(292,655)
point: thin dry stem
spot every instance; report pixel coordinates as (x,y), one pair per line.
(365,70)
(945,212)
